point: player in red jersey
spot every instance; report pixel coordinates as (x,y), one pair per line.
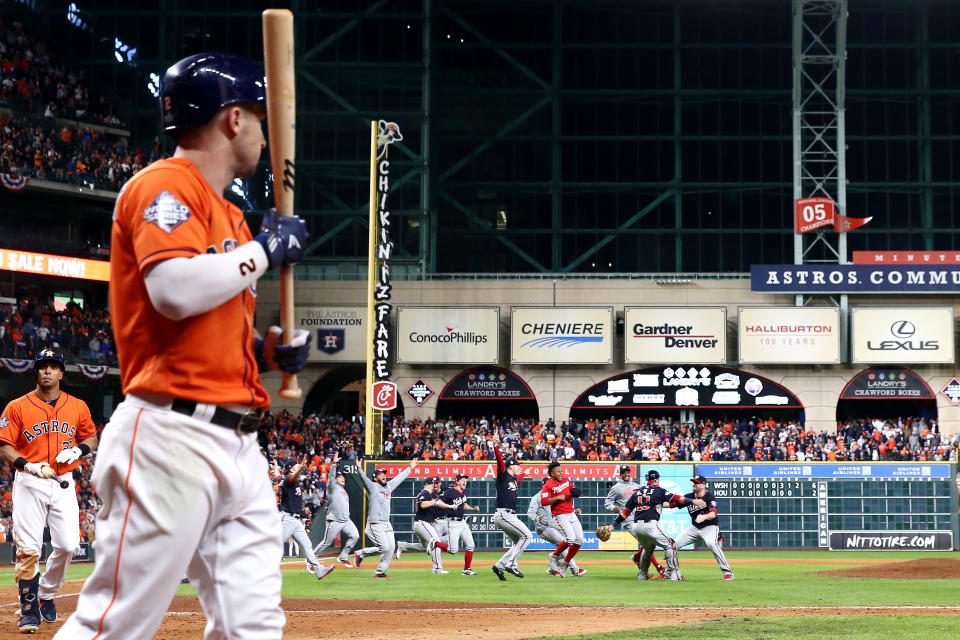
(558,493)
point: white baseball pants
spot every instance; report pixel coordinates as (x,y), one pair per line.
(457,532)
(334,529)
(711,537)
(293,526)
(553,536)
(427,533)
(39,502)
(511,525)
(181,497)
(381,535)
(569,525)
(650,534)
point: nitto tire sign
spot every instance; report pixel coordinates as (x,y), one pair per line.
(891,541)
(675,334)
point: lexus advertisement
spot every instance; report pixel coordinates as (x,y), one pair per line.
(902,335)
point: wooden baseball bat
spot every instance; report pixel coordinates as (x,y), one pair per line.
(282,128)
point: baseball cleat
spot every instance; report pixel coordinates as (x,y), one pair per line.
(515,571)
(562,567)
(440,571)
(470,572)
(346,563)
(551,572)
(726,576)
(29,617)
(48,610)
(397,553)
(497,570)
(579,572)
(661,570)
(322,571)
(357,559)
(377,574)
(431,546)
(642,576)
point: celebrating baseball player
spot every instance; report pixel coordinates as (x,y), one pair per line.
(378,528)
(509,475)
(645,505)
(456,527)
(186,488)
(291,506)
(546,527)
(338,517)
(616,499)
(705,525)
(42,435)
(558,494)
(428,508)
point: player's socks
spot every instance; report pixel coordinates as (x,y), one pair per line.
(571,551)
(467,559)
(442,545)
(560,548)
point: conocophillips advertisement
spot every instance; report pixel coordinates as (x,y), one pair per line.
(454,335)
(789,335)
(561,335)
(902,334)
(675,334)
(339,333)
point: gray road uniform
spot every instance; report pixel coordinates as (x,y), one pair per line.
(338,520)
(708,531)
(547,529)
(617,497)
(378,528)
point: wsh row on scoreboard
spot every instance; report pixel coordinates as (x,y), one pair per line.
(874,506)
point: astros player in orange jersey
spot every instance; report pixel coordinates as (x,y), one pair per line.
(184,483)
(43,434)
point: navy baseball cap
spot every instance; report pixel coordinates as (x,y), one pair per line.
(460,476)
(433,480)
(625,469)
(378,471)
(698,480)
(512,461)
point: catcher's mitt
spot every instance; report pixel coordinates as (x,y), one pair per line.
(603,534)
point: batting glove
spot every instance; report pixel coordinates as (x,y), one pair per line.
(35,469)
(69,455)
(289,358)
(283,238)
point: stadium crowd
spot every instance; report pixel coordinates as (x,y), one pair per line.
(82,334)
(33,80)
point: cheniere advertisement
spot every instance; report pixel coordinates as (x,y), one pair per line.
(561,335)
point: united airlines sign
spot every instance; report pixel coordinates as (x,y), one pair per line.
(854,278)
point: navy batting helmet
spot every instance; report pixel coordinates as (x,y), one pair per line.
(653,474)
(49,355)
(197,87)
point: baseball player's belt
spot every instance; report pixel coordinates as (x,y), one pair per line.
(455,518)
(247,422)
(507,510)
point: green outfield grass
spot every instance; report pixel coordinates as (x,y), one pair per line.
(797,628)
(760,585)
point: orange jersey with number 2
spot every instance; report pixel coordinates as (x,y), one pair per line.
(40,432)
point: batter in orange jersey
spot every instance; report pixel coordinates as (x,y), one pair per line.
(45,427)
(184,483)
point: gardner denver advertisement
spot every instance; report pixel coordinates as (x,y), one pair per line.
(789,335)
(675,334)
(339,333)
(561,335)
(902,335)
(453,335)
